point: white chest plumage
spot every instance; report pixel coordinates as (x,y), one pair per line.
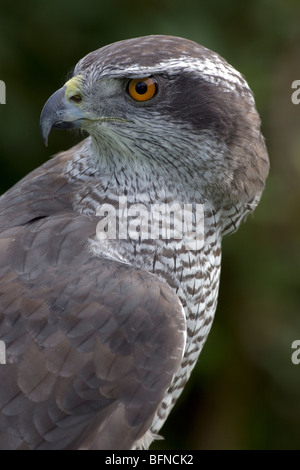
(193,273)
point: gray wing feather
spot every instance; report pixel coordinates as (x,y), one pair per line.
(92,344)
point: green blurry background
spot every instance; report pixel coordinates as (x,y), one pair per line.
(245,391)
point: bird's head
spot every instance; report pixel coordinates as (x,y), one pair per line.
(169,102)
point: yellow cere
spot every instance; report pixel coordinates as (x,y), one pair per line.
(73,86)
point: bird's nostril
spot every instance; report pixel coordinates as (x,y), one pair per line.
(76,98)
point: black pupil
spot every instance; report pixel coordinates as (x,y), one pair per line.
(141,88)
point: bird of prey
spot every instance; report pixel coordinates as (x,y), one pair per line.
(103,327)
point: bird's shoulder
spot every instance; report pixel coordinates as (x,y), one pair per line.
(45,191)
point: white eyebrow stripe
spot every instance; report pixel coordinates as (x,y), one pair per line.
(213,69)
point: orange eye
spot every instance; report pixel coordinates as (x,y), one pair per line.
(142,89)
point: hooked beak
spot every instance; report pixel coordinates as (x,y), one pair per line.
(63,110)
(60,112)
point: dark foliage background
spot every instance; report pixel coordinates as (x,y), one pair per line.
(244,392)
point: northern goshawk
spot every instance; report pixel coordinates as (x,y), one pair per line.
(102,316)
